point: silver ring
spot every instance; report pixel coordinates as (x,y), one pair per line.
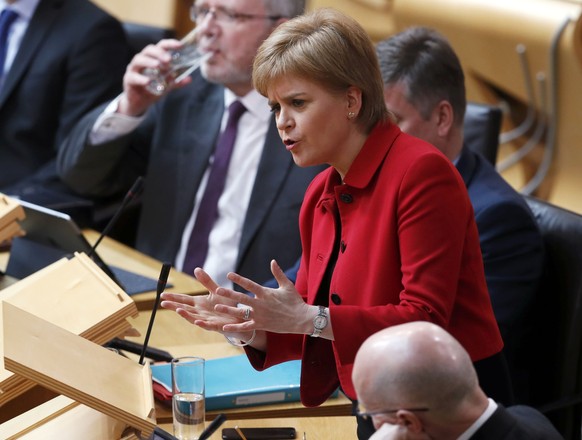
(247,314)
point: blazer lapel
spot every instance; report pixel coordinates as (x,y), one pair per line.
(45,15)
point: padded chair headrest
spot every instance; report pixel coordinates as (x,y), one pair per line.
(558,336)
(481,127)
(140,35)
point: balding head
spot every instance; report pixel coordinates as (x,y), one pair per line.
(416,365)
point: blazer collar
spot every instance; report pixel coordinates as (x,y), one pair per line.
(372,154)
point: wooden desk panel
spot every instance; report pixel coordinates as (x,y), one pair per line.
(60,417)
(334,407)
(315,428)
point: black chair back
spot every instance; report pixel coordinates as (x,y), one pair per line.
(556,345)
(140,35)
(481,127)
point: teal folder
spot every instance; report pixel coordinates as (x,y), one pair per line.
(232,382)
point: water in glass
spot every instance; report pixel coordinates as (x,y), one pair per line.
(188,411)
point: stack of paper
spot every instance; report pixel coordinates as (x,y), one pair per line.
(10,213)
(75,295)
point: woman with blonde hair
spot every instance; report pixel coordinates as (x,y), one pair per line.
(387,231)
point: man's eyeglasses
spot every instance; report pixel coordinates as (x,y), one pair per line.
(361,411)
(222,15)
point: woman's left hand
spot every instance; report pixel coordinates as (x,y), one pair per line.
(280,310)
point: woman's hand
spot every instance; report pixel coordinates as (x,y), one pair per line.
(200,310)
(280,310)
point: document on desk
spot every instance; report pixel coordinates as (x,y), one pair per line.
(232,382)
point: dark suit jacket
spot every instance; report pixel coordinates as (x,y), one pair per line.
(517,423)
(171,148)
(71,59)
(512,249)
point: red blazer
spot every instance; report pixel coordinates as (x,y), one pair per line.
(409,251)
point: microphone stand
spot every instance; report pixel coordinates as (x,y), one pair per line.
(133,192)
(162,281)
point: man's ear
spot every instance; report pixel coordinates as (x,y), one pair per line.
(409,420)
(444,117)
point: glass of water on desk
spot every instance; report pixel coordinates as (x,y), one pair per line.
(188,404)
(184,61)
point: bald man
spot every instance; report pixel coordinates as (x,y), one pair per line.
(417,382)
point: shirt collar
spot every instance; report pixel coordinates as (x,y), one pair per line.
(25,8)
(491,407)
(255,103)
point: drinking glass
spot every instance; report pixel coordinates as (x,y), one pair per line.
(188,405)
(184,61)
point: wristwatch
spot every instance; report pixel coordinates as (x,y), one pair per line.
(319,322)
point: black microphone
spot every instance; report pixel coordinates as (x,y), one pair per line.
(155,354)
(133,192)
(162,280)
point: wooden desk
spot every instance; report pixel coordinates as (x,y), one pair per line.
(334,407)
(60,418)
(315,428)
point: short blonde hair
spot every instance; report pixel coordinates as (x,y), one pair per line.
(327,47)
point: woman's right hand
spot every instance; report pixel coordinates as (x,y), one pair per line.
(200,309)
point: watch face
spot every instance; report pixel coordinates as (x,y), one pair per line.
(319,322)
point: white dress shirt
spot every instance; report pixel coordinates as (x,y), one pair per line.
(233,203)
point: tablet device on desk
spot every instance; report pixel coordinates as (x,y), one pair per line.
(51,235)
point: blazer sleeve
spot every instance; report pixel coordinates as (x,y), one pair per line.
(105,169)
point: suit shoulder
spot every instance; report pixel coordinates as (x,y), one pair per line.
(536,425)
(488,187)
(86,9)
